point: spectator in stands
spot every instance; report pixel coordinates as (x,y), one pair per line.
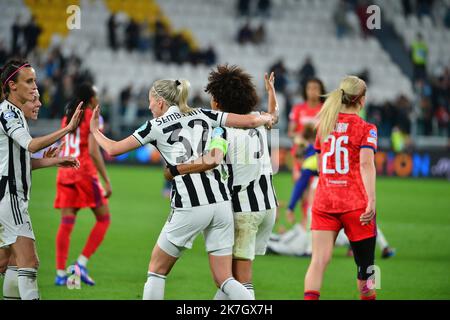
(419,56)
(243,7)
(16,31)
(245,34)
(340,19)
(424,7)
(259,35)
(210,56)
(132,35)
(145,41)
(264,7)
(112,36)
(31,33)
(281,75)
(306,72)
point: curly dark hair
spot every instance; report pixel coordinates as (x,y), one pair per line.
(232,89)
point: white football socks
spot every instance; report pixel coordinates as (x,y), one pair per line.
(11,284)
(28,286)
(235,290)
(154,287)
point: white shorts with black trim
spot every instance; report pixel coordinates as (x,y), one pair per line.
(252,232)
(215,221)
(14,220)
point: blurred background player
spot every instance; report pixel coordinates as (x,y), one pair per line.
(345,196)
(303,114)
(249,166)
(18,80)
(200,202)
(77,189)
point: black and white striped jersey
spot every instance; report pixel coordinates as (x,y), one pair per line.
(181,138)
(250,169)
(15,159)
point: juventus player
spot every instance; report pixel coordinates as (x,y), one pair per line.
(253,197)
(18,80)
(181,134)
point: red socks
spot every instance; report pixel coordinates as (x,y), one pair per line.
(311,295)
(63,241)
(372,297)
(97,235)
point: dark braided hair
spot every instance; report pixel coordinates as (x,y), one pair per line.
(232,89)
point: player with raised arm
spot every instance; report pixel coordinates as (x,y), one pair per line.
(18,80)
(249,166)
(49,159)
(200,202)
(77,189)
(345,196)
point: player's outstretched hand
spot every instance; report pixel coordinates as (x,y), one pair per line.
(269,82)
(108,189)
(68,162)
(94,125)
(53,152)
(368,215)
(73,124)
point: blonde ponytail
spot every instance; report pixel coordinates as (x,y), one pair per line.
(174,92)
(349,95)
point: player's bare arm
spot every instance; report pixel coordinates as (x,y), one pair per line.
(368,175)
(273,109)
(97,158)
(40,143)
(66,162)
(207,162)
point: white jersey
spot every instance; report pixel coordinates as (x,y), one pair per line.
(250,169)
(15,159)
(181,138)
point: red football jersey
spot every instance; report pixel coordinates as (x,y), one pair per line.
(302,115)
(77,145)
(341,188)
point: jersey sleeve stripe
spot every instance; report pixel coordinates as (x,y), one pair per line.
(369,147)
(139,140)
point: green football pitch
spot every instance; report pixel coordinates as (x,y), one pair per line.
(413,214)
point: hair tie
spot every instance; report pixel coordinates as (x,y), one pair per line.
(177,83)
(343,92)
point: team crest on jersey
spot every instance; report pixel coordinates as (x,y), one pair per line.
(373,133)
(9,115)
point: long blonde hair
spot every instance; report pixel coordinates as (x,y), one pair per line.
(174,92)
(348,95)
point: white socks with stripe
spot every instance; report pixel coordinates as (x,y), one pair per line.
(28,287)
(154,287)
(220,295)
(235,290)
(10,284)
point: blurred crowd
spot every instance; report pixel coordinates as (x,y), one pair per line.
(427,114)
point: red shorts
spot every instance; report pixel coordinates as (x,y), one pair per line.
(348,220)
(87,192)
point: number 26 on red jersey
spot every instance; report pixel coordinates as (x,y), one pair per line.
(340,152)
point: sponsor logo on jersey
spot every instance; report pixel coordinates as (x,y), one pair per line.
(9,115)
(372,140)
(373,133)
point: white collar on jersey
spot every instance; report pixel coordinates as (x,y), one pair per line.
(172,109)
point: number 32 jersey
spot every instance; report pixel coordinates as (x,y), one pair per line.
(341,188)
(181,138)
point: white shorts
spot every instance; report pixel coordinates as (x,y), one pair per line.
(14,220)
(252,232)
(214,220)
